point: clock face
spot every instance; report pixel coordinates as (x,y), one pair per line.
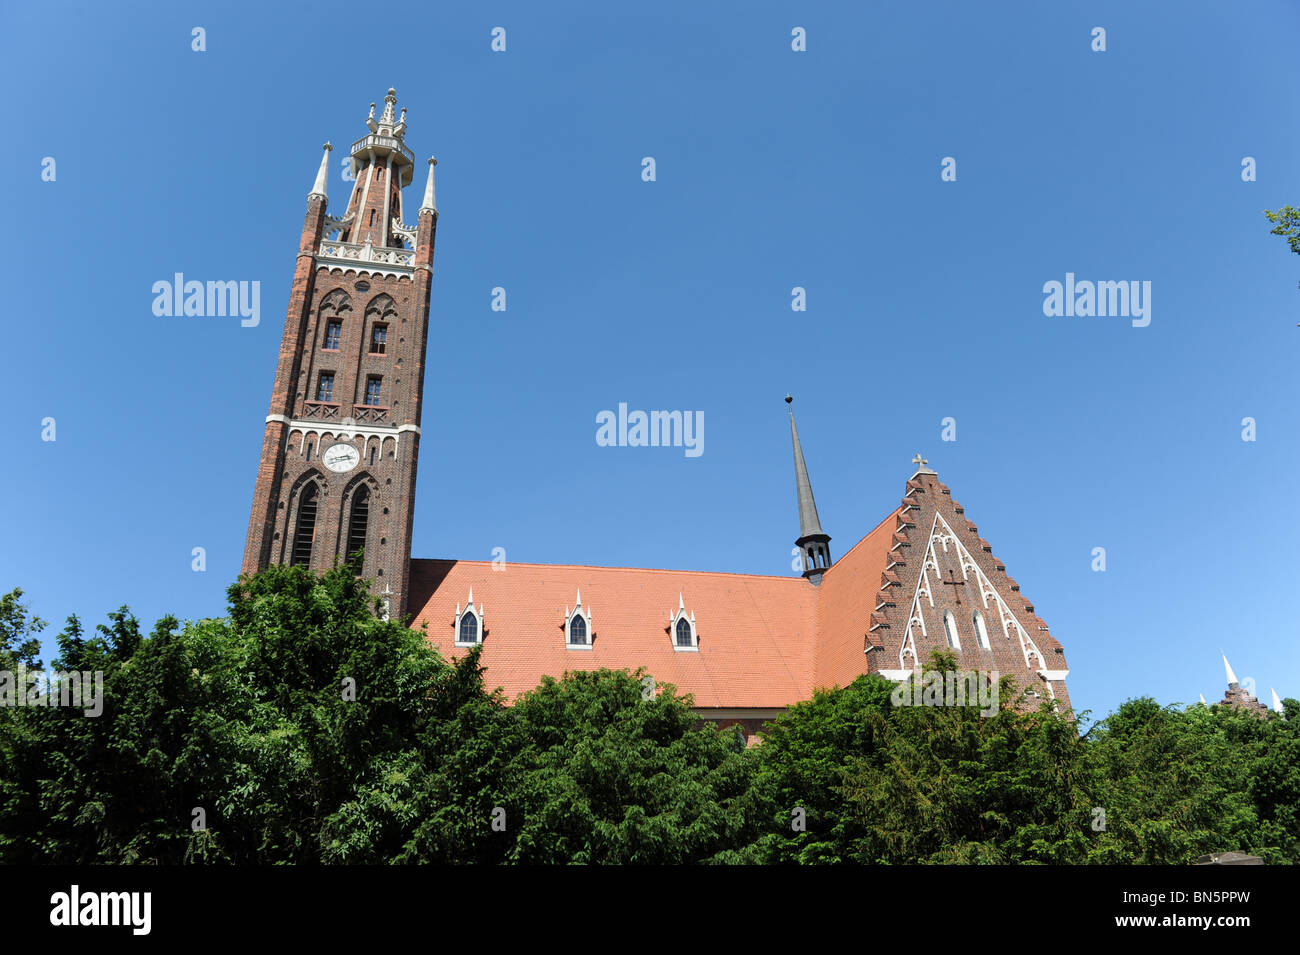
(341,458)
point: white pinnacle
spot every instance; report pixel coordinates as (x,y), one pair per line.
(1277,704)
(322,175)
(1203,703)
(1232,677)
(429,204)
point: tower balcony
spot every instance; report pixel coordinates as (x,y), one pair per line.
(351,253)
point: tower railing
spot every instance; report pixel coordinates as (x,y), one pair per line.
(367,252)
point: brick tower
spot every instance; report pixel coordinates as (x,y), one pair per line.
(342,438)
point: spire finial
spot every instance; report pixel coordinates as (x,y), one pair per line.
(1232,677)
(322,175)
(813,541)
(390,102)
(429,204)
(1277,704)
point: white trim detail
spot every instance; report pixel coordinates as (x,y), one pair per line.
(673,619)
(585,614)
(470,608)
(1009,622)
(1053,674)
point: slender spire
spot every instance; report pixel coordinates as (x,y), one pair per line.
(1277,704)
(322,175)
(429,205)
(1232,677)
(809,524)
(813,541)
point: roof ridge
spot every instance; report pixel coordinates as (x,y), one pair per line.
(652,570)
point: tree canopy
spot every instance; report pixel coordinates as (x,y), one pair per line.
(303,728)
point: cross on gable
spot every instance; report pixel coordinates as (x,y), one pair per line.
(919,461)
(952,582)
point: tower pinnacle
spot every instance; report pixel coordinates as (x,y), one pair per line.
(813,541)
(322,175)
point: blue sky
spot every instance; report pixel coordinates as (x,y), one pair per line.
(775,169)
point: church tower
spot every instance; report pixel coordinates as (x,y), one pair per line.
(813,543)
(342,437)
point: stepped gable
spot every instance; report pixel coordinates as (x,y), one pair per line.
(939,564)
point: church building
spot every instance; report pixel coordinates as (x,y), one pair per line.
(338,471)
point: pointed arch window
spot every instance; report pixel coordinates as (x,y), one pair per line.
(950,630)
(304,534)
(683,632)
(578,634)
(358,520)
(681,627)
(468,623)
(981,631)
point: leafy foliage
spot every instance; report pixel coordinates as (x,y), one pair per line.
(305,729)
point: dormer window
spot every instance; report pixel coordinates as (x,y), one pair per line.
(468,623)
(681,628)
(578,633)
(683,633)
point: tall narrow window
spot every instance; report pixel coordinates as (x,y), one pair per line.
(373,448)
(578,630)
(305,533)
(950,630)
(325,386)
(374,389)
(333,330)
(683,632)
(359,520)
(378,339)
(468,627)
(981,632)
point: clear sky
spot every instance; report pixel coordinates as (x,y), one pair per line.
(775,169)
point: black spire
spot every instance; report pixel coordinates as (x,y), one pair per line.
(813,542)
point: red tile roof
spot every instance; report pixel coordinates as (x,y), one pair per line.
(756,634)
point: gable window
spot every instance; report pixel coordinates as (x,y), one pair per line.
(374,389)
(378,339)
(333,330)
(950,630)
(468,623)
(325,386)
(981,632)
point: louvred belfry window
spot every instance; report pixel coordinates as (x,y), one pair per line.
(305,533)
(358,520)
